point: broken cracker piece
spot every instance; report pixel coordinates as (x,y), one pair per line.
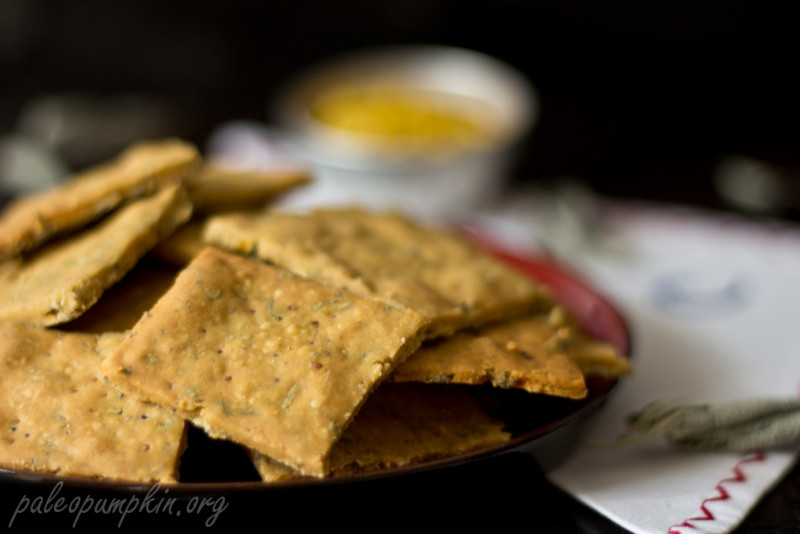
(60,281)
(140,170)
(402,425)
(385,256)
(544,353)
(597,358)
(477,358)
(273,361)
(57,415)
(558,332)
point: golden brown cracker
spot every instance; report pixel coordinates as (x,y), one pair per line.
(558,332)
(477,358)
(597,358)
(219,188)
(60,281)
(402,425)
(57,415)
(257,355)
(141,169)
(270,470)
(385,256)
(405,424)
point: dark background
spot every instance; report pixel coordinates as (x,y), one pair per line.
(640,99)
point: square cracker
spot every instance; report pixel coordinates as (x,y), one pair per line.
(385,256)
(265,358)
(402,425)
(57,415)
(60,281)
(141,169)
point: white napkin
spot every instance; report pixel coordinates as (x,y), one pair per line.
(712,303)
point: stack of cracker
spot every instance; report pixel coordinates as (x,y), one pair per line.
(159,290)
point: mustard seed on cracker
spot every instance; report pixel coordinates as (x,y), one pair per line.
(57,415)
(260,356)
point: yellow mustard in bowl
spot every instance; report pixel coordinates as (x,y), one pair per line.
(407,116)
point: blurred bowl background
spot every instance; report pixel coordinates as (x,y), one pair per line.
(423,128)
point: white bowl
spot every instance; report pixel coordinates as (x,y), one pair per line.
(401,172)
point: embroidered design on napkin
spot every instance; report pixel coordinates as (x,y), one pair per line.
(695,295)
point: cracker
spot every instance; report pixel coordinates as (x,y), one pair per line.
(257,355)
(218,188)
(596,358)
(489,356)
(385,256)
(141,169)
(58,416)
(402,425)
(558,331)
(545,353)
(60,281)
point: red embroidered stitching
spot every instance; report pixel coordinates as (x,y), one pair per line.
(722,494)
